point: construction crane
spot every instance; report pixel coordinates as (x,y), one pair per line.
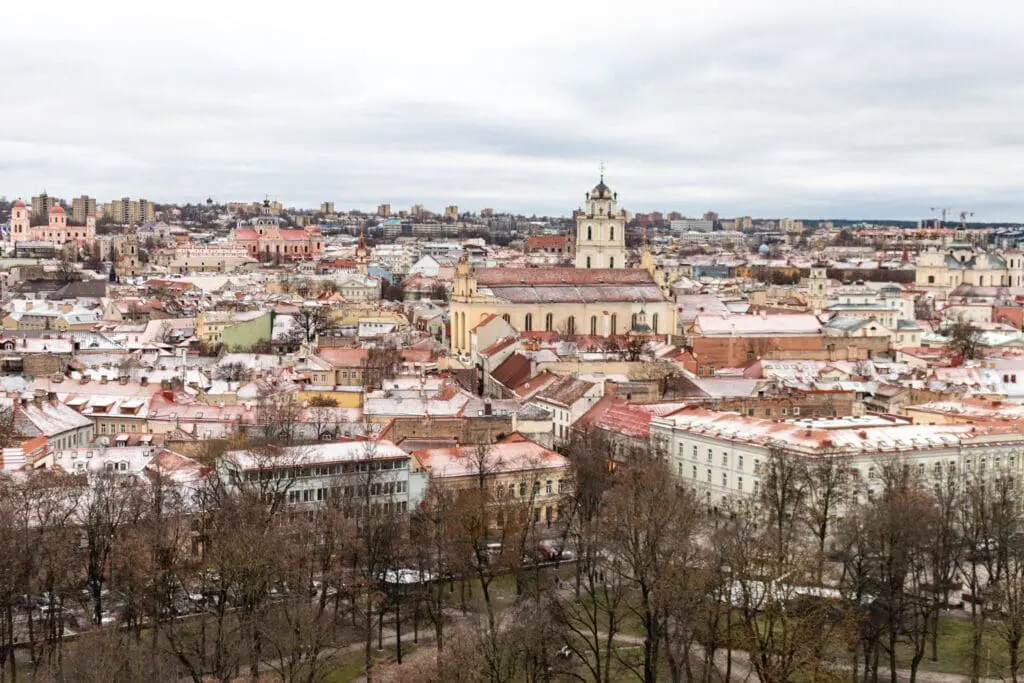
(944,210)
(964,215)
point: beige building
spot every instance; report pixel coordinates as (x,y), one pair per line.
(451,213)
(130,211)
(327,207)
(42,204)
(204,258)
(961,264)
(521,475)
(384,210)
(82,208)
(598,300)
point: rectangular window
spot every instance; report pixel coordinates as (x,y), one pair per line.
(739,462)
(709,475)
(725,459)
(725,480)
(548,488)
(709,455)
(739,483)
(694,472)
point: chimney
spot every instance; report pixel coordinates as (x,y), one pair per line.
(51,396)
(144,381)
(168,395)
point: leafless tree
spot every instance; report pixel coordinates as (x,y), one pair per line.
(381,364)
(964,338)
(309,322)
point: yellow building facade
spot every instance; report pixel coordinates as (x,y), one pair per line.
(603,300)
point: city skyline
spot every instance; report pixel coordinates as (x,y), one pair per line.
(788,110)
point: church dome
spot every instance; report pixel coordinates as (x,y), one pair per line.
(601,191)
(57,209)
(764,249)
(19,204)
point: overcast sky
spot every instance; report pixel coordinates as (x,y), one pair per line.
(782,108)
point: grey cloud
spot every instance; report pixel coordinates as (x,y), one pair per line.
(797,108)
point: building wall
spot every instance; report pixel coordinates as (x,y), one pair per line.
(723,471)
(467,430)
(244,335)
(602,313)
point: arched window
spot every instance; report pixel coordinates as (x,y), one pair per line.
(615,324)
(654,323)
(590,232)
(506,318)
(528,323)
(593,325)
(570,325)
(549,322)
(611,233)
(611,261)
(632,324)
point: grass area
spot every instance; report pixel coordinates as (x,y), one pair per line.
(955,650)
(350,665)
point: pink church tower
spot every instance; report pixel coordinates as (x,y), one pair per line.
(20,222)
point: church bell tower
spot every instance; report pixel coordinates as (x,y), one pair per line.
(601,230)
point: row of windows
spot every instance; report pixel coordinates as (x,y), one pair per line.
(611,262)
(724,458)
(325,470)
(570,323)
(590,233)
(71,440)
(549,488)
(319,495)
(113,428)
(725,478)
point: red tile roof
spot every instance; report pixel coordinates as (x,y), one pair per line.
(343,358)
(513,370)
(558,276)
(546,242)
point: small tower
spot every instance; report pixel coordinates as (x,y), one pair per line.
(362,255)
(817,297)
(465,281)
(20,222)
(128,263)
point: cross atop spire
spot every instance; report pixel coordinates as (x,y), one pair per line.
(601,169)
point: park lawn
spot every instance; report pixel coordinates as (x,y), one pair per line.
(955,650)
(350,665)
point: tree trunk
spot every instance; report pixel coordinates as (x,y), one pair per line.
(398,629)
